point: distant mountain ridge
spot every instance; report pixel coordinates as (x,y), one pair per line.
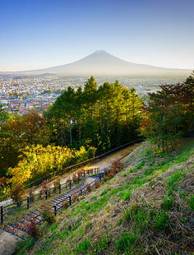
(102,63)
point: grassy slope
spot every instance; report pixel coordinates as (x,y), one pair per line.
(148,208)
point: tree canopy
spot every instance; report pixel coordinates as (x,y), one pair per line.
(170,113)
(103,116)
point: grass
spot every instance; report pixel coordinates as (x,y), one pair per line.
(125,195)
(173,180)
(83,247)
(191,202)
(24,246)
(88,227)
(125,242)
(161,220)
(167,202)
(139,215)
(141,218)
(101,245)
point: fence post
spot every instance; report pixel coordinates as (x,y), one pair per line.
(2,214)
(28,202)
(59,188)
(46,194)
(31,197)
(70,184)
(69,200)
(55,210)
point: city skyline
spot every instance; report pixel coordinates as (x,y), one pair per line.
(35,34)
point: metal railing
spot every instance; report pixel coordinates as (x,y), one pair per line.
(27,201)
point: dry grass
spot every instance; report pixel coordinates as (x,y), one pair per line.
(128,211)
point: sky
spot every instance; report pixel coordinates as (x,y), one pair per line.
(42,33)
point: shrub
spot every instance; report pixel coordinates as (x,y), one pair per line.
(116,167)
(91,151)
(44,188)
(125,242)
(33,230)
(38,162)
(89,188)
(97,185)
(48,216)
(16,193)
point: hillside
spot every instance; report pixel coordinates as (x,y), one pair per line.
(147,208)
(102,63)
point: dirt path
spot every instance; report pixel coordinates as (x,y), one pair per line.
(8,241)
(106,161)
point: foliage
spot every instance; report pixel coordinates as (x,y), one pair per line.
(151,227)
(33,230)
(16,193)
(169,114)
(96,117)
(16,132)
(103,116)
(38,162)
(48,216)
(3,115)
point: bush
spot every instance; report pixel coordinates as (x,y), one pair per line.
(16,193)
(89,188)
(33,230)
(48,217)
(97,185)
(125,242)
(116,167)
(38,162)
(44,188)
(91,151)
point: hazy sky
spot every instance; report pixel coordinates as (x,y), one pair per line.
(42,33)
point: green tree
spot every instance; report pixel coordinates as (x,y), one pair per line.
(102,116)
(170,114)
